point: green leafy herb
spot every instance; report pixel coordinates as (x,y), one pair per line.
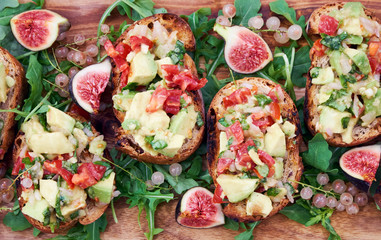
(318,153)
(301,66)
(16,220)
(333,42)
(345,121)
(273,192)
(245,9)
(345,79)
(177,54)
(248,234)
(224,122)
(130,86)
(281,7)
(230,141)
(315,72)
(199,121)
(8,3)
(159,144)
(335,100)
(36,232)
(263,99)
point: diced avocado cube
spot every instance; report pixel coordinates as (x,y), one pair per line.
(278,169)
(183,122)
(223,142)
(254,156)
(103,189)
(37,210)
(373,104)
(49,191)
(3,84)
(334,60)
(347,135)
(353,9)
(288,128)
(166,60)
(281,194)
(235,188)
(97,146)
(76,199)
(275,141)
(59,119)
(258,204)
(80,136)
(50,143)
(325,76)
(143,69)
(354,39)
(263,170)
(330,119)
(33,126)
(122,102)
(174,143)
(359,58)
(352,26)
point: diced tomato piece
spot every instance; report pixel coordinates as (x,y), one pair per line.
(123,50)
(17,166)
(172,104)
(84,178)
(96,170)
(121,63)
(137,41)
(263,123)
(74,108)
(328,25)
(257,173)
(218,195)
(274,93)
(157,99)
(317,49)
(223,164)
(235,131)
(243,158)
(266,158)
(274,110)
(169,71)
(123,79)
(373,48)
(187,81)
(271,171)
(55,166)
(110,50)
(237,97)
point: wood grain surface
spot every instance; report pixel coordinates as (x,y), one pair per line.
(84,16)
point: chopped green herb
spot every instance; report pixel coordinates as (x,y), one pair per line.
(315,72)
(223,122)
(230,141)
(199,121)
(273,192)
(149,139)
(345,121)
(159,144)
(333,42)
(345,79)
(177,54)
(130,86)
(263,99)
(334,100)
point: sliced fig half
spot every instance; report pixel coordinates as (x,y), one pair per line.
(37,30)
(88,84)
(245,51)
(197,210)
(360,164)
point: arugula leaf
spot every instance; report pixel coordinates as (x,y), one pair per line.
(16,220)
(281,7)
(333,42)
(318,154)
(8,3)
(93,230)
(231,224)
(179,183)
(248,234)
(36,232)
(34,76)
(301,66)
(297,213)
(245,9)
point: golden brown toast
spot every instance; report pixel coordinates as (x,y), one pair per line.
(293,166)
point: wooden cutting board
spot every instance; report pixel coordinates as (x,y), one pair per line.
(84,16)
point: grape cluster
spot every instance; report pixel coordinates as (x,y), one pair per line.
(7,191)
(157,178)
(228,12)
(350,199)
(76,56)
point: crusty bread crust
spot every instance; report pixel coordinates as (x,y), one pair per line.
(293,166)
(15,97)
(361,135)
(93,212)
(314,20)
(126,142)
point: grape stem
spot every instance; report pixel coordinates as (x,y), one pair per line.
(317,189)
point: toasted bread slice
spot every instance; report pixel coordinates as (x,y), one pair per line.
(93,210)
(360,134)
(314,20)
(293,166)
(15,97)
(126,142)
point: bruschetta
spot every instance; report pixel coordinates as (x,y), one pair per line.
(62,177)
(343,94)
(156,92)
(253,148)
(12,89)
